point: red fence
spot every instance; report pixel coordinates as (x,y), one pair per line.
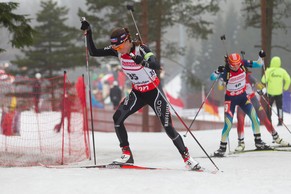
(42,121)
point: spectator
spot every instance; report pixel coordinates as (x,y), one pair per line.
(66,108)
(274,78)
(115,95)
(36,91)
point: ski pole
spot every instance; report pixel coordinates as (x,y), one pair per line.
(212,86)
(181,120)
(223,39)
(264,75)
(275,113)
(89,87)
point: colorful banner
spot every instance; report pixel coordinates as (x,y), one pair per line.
(211,107)
(175,101)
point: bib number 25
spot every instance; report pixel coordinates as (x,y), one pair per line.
(132,76)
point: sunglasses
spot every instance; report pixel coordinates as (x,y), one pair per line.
(120,46)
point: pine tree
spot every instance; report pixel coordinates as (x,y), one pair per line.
(17,25)
(54,48)
(277,14)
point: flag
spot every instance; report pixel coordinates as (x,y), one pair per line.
(175,101)
(211,107)
(80,87)
(287,101)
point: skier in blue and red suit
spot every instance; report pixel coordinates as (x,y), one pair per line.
(234,76)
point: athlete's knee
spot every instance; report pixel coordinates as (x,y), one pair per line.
(228,118)
(116,117)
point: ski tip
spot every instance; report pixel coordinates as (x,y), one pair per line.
(203,169)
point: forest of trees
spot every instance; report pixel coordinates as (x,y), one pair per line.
(53,44)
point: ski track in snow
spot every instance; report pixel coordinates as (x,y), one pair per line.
(255,172)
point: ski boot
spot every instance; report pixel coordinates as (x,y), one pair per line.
(280,122)
(280,141)
(126,156)
(260,145)
(221,151)
(241,145)
(190,163)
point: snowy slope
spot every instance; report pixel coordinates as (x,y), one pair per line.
(260,173)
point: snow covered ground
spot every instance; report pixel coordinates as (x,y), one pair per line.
(258,173)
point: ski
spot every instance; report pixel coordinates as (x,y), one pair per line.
(281,147)
(271,149)
(131,166)
(125,166)
(122,166)
(214,156)
(105,166)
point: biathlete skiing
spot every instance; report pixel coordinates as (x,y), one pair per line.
(140,65)
(234,76)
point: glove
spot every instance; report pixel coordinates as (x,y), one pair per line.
(220,69)
(139,60)
(262,91)
(85,25)
(136,58)
(262,54)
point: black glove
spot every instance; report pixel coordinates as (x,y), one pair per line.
(85,25)
(262,91)
(137,59)
(220,68)
(262,54)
